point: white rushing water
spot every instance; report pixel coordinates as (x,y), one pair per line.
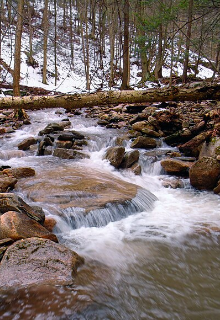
(148,265)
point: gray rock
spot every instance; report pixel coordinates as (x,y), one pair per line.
(38,261)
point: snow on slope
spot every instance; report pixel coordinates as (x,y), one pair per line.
(71,78)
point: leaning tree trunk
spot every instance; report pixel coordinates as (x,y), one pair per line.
(203,92)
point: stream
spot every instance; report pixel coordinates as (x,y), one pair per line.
(158,263)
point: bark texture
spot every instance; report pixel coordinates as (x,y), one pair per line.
(75,101)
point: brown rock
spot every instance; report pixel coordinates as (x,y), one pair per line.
(174,166)
(144,142)
(7,183)
(64,144)
(16,225)
(11,202)
(25,144)
(193,147)
(204,173)
(69,154)
(129,159)
(19,173)
(38,261)
(136,169)
(115,155)
(49,223)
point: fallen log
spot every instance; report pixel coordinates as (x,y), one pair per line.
(195,93)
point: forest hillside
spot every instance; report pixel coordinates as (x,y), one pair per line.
(87,45)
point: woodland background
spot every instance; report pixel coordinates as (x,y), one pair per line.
(102,42)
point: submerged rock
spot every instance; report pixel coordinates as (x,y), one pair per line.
(78,187)
(38,261)
(69,154)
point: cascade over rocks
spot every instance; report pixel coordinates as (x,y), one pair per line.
(79,187)
(38,261)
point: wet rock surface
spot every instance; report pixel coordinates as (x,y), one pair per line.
(79,187)
(35,261)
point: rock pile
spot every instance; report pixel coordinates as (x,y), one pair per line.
(194,128)
(30,253)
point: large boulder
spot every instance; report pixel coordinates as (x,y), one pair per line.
(77,187)
(38,261)
(204,173)
(174,166)
(144,143)
(16,225)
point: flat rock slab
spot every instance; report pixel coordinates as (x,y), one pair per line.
(38,261)
(77,186)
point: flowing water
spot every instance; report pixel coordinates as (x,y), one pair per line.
(158,263)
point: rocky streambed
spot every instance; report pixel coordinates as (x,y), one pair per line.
(63,174)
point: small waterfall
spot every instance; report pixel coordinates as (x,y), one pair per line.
(77,217)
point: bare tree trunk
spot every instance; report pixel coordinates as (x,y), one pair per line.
(64,15)
(188,40)
(30,12)
(17,54)
(85,46)
(55,41)
(1,14)
(46,29)
(159,58)
(126,60)
(207,91)
(71,35)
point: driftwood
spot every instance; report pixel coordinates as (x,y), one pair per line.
(191,93)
